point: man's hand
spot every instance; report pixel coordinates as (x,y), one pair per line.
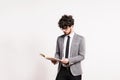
(65,61)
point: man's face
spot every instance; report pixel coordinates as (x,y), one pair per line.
(68,30)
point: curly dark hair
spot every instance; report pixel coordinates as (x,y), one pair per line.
(66,21)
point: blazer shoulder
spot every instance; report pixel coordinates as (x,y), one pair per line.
(61,36)
(79,36)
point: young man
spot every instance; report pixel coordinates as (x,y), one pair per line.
(70,48)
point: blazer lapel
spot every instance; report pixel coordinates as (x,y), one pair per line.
(72,44)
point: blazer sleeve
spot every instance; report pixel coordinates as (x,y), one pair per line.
(81,53)
(57,53)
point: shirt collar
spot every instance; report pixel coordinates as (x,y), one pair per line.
(71,34)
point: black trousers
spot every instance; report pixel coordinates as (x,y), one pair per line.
(65,74)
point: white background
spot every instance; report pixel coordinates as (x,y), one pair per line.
(28,27)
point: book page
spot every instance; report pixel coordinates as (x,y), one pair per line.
(49,58)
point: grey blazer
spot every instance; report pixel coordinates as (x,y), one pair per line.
(77,52)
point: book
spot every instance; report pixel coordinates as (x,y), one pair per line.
(49,58)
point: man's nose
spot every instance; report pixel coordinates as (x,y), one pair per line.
(63,30)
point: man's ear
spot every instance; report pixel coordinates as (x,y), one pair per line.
(71,27)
